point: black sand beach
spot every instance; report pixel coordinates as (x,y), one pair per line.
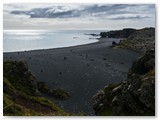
(80,70)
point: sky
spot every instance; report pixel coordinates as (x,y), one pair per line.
(77,16)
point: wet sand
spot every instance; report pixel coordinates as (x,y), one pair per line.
(81,70)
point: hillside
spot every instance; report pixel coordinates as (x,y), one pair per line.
(22,95)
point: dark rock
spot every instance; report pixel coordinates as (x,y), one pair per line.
(42,87)
(141,40)
(144,64)
(91,59)
(65,58)
(60,73)
(134,96)
(17,73)
(93,34)
(125,33)
(114,43)
(98,99)
(59,94)
(117,90)
(104,58)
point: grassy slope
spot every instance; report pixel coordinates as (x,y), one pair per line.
(21,97)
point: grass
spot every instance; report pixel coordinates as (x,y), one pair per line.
(20,93)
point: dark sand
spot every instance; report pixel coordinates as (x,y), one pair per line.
(81,70)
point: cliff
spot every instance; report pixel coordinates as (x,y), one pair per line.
(125,33)
(140,41)
(135,95)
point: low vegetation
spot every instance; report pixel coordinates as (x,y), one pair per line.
(135,95)
(21,94)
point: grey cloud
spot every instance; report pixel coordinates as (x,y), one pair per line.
(129,18)
(43,13)
(90,10)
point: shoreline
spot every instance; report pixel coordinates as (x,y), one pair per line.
(55,48)
(80,70)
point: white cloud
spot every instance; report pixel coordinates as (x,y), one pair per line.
(77,16)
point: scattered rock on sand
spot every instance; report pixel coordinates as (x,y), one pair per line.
(91,59)
(65,58)
(104,58)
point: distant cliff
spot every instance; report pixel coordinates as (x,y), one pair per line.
(125,33)
(136,94)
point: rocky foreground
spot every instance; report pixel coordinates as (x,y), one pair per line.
(136,94)
(23,93)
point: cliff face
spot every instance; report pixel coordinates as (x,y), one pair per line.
(140,41)
(136,94)
(21,95)
(125,33)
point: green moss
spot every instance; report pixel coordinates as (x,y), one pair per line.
(108,89)
(42,87)
(107,101)
(7,86)
(46,102)
(59,94)
(106,112)
(17,73)
(6,100)
(149,74)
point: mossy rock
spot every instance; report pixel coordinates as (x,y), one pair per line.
(60,94)
(42,87)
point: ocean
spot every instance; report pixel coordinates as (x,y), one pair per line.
(26,40)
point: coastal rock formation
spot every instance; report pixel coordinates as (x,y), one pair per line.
(140,41)
(135,95)
(125,33)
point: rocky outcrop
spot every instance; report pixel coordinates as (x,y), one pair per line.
(135,95)
(21,94)
(125,33)
(56,93)
(18,74)
(140,41)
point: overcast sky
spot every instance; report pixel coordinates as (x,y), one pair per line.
(77,16)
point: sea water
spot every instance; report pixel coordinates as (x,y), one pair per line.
(25,40)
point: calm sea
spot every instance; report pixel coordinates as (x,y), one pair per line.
(24,40)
